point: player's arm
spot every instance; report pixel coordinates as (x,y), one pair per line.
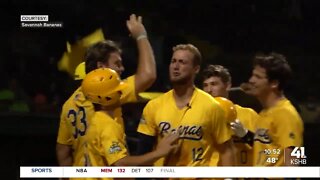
(64,139)
(64,154)
(227,153)
(223,136)
(165,146)
(146,70)
(242,132)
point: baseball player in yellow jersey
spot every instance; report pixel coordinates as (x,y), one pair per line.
(77,110)
(217,82)
(192,113)
(104,142)
(279,128)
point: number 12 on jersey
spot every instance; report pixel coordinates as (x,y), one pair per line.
(197,154)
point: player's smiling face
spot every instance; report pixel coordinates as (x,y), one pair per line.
(181,68)
(259,81)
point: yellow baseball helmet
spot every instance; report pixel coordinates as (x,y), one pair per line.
(228,108)
(80,71)
(101,86)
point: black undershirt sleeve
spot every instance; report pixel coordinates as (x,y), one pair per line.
(146,143)
(248,138)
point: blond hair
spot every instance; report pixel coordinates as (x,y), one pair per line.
(197,58)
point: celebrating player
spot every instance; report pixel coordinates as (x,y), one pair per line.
(77,110)
(217,82)
(279,128)
(104,142)
(192,113)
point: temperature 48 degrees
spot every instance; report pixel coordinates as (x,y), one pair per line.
(272,160)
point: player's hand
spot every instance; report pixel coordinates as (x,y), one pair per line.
(238,129)
(135,26)
(167,144)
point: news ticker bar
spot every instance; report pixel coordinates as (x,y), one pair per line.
(164,172)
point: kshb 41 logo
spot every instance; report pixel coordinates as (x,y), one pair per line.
(298,156)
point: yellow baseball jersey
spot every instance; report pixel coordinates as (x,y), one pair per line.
(277,128)
(244,152)
(102,148)
(199,125)
(105,141)
(77,113)
(74,122)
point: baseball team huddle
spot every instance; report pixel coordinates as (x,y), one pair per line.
(185,126)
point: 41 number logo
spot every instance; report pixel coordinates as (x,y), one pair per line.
(298,152)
